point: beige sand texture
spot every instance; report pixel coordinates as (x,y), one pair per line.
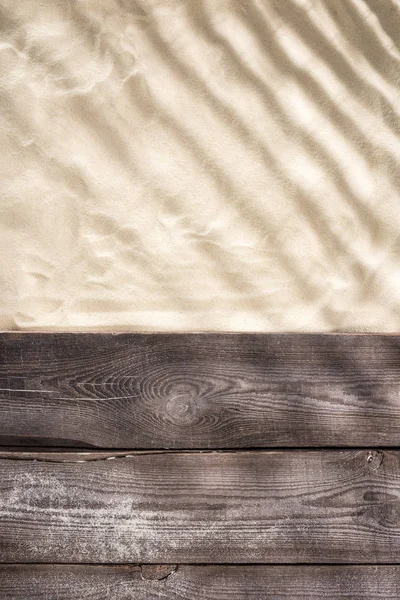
(196,165)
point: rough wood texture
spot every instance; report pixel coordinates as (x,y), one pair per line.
(45,582)
(199,390)
(239,507)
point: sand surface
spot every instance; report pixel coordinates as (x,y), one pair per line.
(200,165)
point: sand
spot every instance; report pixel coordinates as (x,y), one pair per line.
(196,165)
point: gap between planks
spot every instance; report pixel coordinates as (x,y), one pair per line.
(70,455)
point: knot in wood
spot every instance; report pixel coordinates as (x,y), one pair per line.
(374,458)
(156,572)
(182,407)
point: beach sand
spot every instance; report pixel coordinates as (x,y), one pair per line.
(200,165)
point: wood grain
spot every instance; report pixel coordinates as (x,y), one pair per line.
(229,507)
(199,390)
(36,582)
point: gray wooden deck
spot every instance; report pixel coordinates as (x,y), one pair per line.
(193,466)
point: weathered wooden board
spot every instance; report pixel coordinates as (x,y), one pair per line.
(231,507)
(199,390)
(35,582)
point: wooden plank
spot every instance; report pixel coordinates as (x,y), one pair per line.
(36,582)
(199,390)
(229,507)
